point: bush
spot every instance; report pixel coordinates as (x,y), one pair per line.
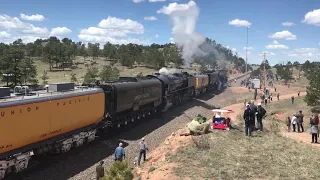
(119,171)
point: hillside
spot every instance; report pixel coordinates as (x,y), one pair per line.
(55,60)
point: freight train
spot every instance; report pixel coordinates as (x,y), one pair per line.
(64,116)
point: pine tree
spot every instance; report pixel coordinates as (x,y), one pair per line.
(313,91)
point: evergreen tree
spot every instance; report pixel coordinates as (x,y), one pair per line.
(313,91)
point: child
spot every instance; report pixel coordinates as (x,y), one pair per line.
(289,123)
(294,122)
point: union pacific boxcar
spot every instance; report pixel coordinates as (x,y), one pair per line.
(50,121)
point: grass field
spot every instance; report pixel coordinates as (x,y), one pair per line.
(266,155)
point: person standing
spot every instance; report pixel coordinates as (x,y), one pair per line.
(278,96)
(314,122)
(292,99)
(143,148)
(294,121)
(300,121)
(299,94)
(100,170)
(247,116)
(289,123)
(119,153)
(265,101)
(260,113)
(254,110)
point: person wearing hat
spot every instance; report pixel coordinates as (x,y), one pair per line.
(254,110)
(143,148)
(247,116)
(260,113)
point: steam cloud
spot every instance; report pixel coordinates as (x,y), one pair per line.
(184,18)
(167,71)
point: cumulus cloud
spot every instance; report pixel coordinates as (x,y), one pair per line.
(288,24)
(287,35)
(304,53)
(312,17)
(240,23)
(113,30)
(267,53)
(137,1)
(58,31)
(35,17)
(249,48)
(14,23)
(4,35)
(276,45)
(150,18)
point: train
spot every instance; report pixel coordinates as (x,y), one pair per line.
(64,116)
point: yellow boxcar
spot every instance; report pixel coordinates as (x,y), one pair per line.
(24,122)
(201,81)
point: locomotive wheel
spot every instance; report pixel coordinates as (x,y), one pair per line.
(79,142)
(21,165)
(2,173)
(65,148)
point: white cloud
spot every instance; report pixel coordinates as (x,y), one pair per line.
(137,1)
(276,45)
(36,17)
(249,48)
(113,30)
(150,18)
(267,53)
(156,36)
(312,17)
(288,24)
(304,53)
(58,31)
(240,23)
(123,25)
(171,40)
(174,7)
(157,0)
(233,50)
(287,35)
(4,35)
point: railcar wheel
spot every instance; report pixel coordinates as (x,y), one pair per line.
(91,137)
(66,147)
(2,173)
(21,165)
(79,142)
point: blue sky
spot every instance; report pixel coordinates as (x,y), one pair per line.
(108,19)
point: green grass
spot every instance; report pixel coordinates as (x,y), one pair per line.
(267,155)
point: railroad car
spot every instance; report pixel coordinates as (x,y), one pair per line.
(202,82)
(54,121)
(214,80)
(131,99)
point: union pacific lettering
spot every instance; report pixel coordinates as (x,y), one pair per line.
(29,109)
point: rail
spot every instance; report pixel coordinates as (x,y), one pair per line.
(231,80)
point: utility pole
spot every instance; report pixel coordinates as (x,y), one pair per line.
(265,72)
(247,50)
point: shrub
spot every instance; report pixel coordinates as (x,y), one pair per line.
(119,171)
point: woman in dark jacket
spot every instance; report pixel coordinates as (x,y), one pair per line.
(314,122)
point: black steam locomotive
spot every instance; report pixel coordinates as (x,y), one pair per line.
(131,99)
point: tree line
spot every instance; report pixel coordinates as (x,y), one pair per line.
(17,59)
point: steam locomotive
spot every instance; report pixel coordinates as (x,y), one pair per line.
(64,116)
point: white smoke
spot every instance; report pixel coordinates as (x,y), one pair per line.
(184,18)
(167,71)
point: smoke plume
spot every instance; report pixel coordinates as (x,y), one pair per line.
(167,71)
(184,18)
